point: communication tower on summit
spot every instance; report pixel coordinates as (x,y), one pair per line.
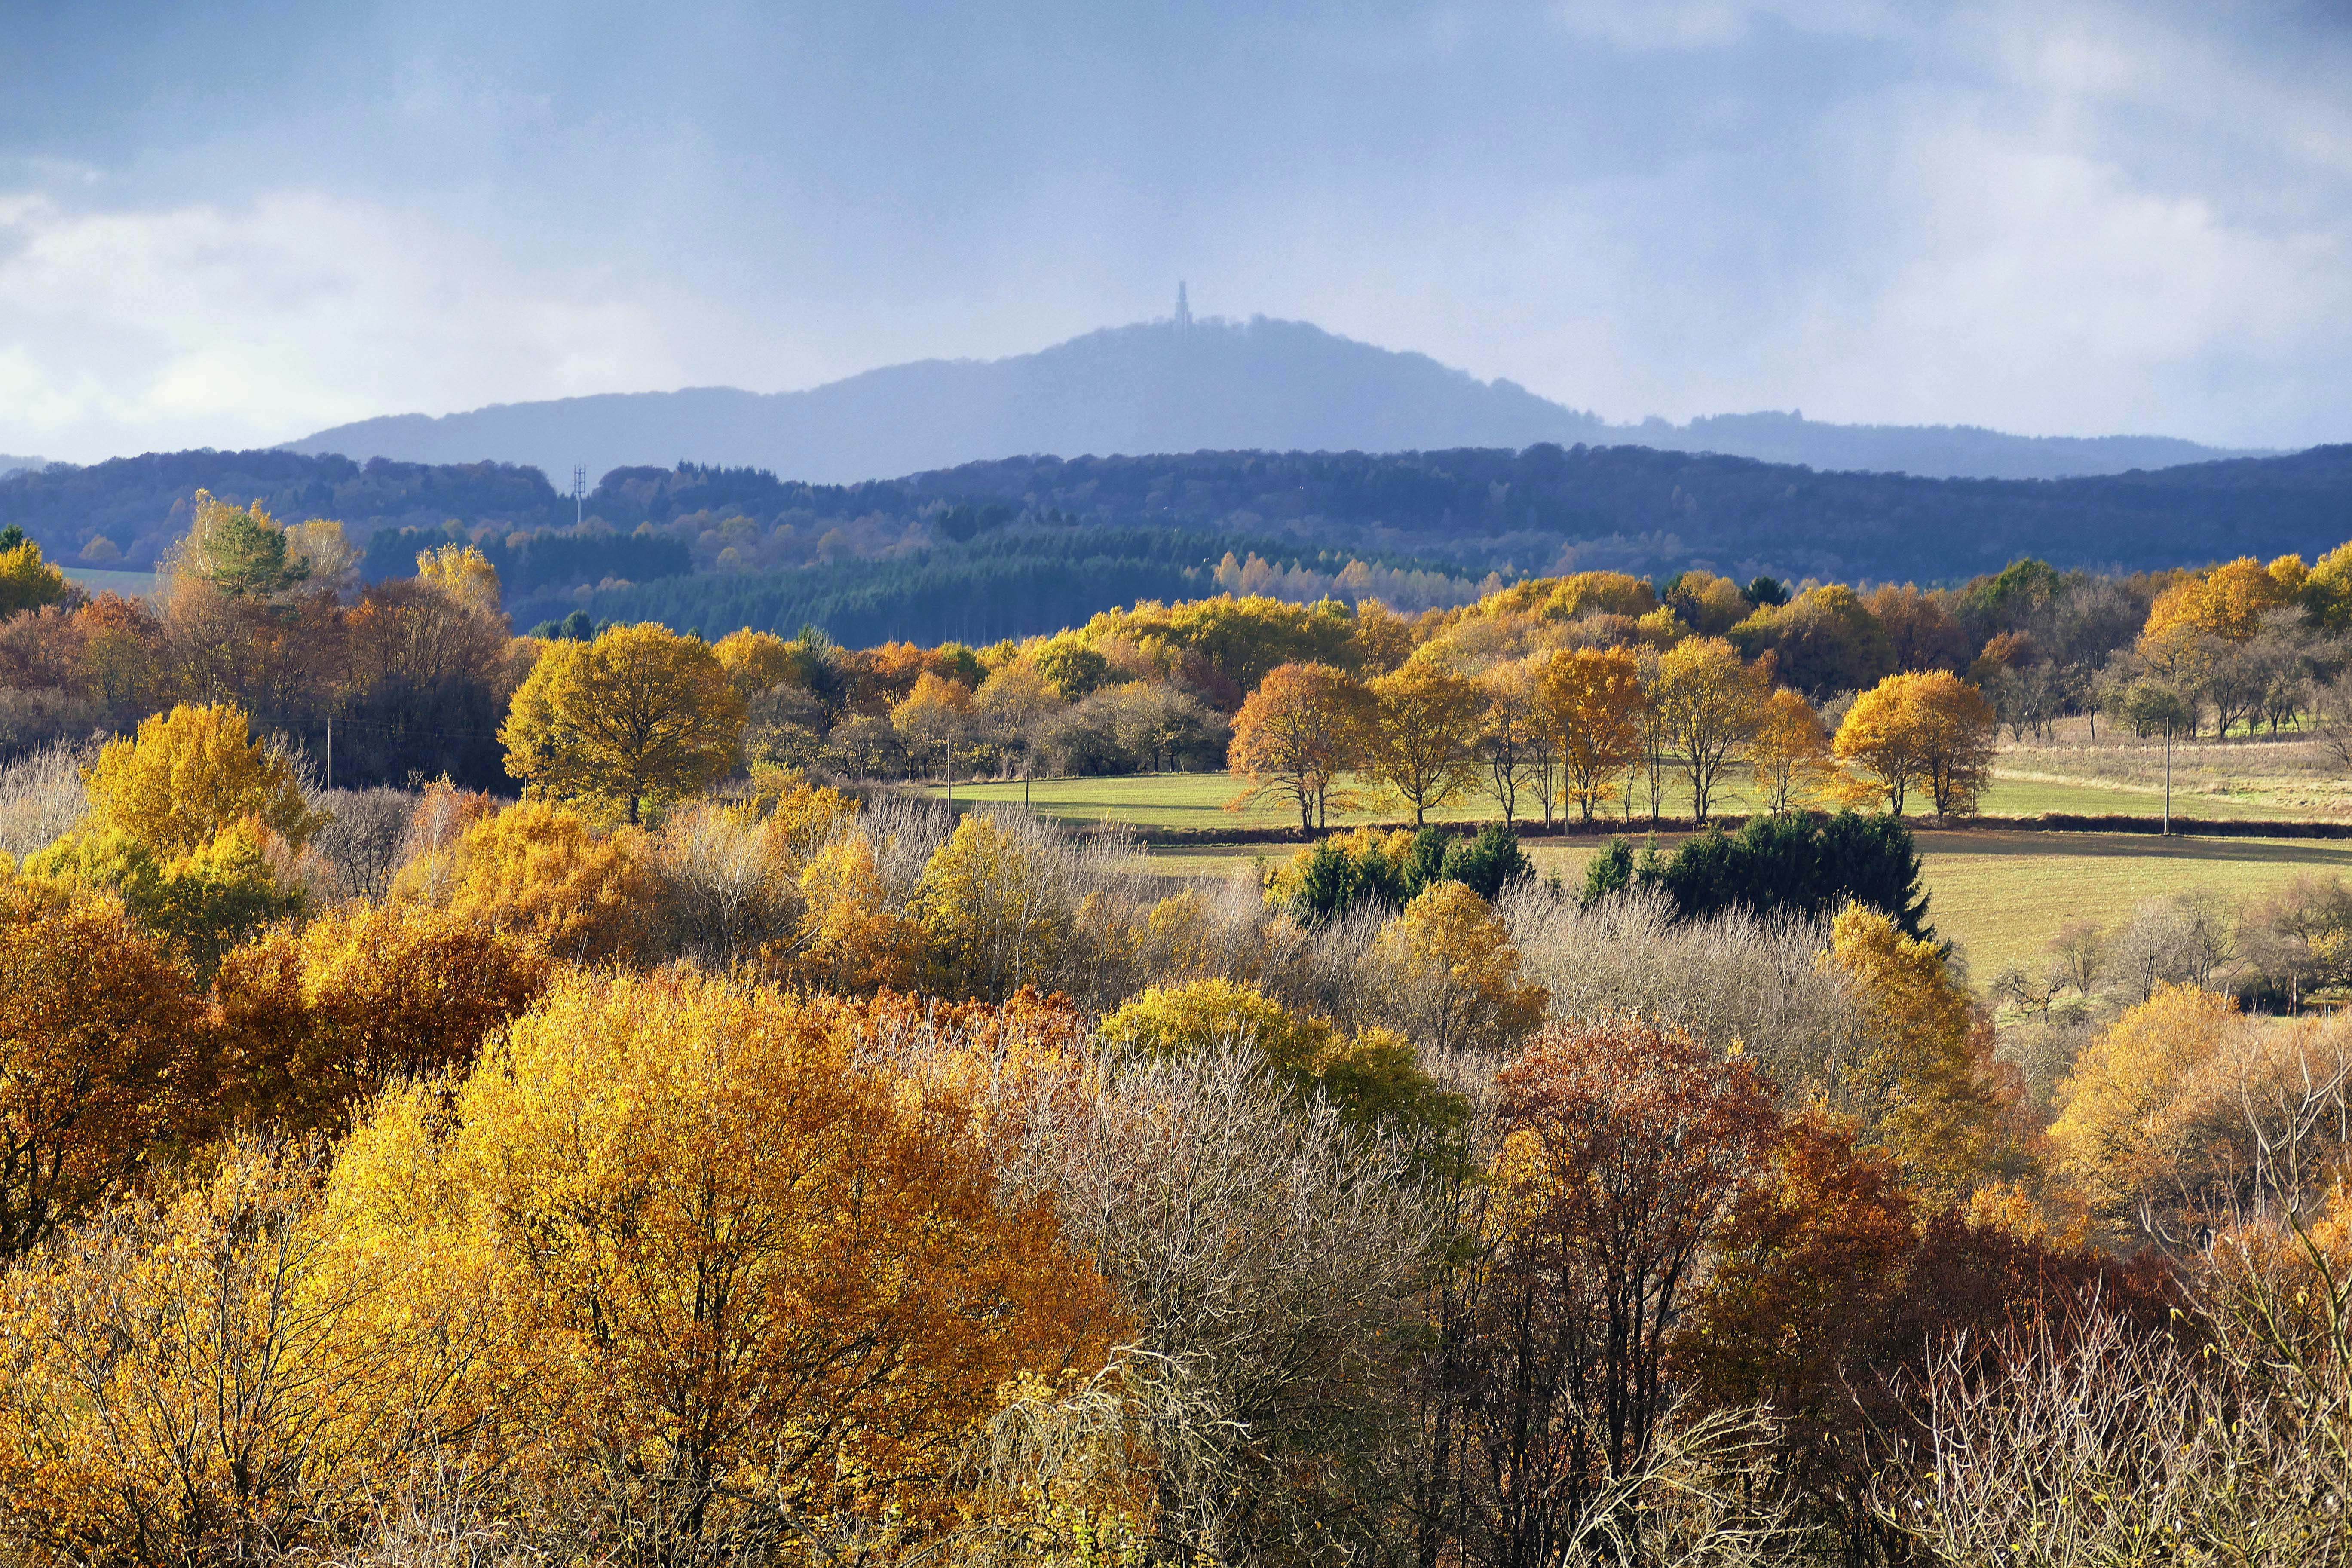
(579,493)
(1184,307)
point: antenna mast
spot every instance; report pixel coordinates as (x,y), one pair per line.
(579,494)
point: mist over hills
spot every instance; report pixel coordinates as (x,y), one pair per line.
(1176,385)
(9,465)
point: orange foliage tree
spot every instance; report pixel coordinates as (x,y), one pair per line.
(98,1055)
(1295,737)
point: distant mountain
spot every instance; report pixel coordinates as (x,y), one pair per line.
(1170,386)
(9,465)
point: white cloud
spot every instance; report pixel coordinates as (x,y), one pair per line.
(123,331)
(1712,24)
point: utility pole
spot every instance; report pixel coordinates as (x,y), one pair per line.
(949,747)
(2167,779)
(331,751)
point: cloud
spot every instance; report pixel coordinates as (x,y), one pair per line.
(124,331)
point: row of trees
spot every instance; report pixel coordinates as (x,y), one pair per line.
(1591,726)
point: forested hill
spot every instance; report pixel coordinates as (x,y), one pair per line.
(1171,386)
(972,540)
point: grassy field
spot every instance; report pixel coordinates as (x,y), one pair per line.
(1197,800)
(2000,896)
(130,584)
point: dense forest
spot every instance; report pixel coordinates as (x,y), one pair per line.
(1026,544)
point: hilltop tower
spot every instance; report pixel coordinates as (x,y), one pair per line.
(1184,305)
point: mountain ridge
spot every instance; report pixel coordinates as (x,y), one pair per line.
(1172,386)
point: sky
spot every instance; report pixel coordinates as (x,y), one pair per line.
(233,224)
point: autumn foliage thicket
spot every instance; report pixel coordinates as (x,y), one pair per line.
(702,1159)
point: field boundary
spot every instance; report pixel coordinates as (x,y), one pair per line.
(2047,822)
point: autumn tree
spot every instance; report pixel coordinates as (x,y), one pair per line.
(191,774)
(464,573)
(1919,1076)
(770,1297)
(1623,1149)
(754,661)
(98,1054)
(932,716)
(1789,751)
(1446,972)
(640,717)
(2184,1108)
(1372,1076)
(993,911)
(854,938)
(1418,727)
(1932,731)
(27,581)
(1593,704)
(215,1373)
(201,902)
(1295,737)
(542,871)
(1512,740)
(241,553)
(1709,702)
(311,1022)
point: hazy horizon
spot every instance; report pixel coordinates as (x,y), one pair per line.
(234,227)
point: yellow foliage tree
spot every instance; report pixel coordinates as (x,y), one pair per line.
(851,940)
(754,661)
(1933,732)
(191,774)
(1446,972)
(931,717)
(2227,603)
(638,718)
(202,902)
(1919,1077)
(2146,1118)
(462,573)
(27,581)
(1418,727)
(311,1022)
(1371,1076)
(542,871)
(1790,752)
(1593,704)
(770,1297)
(1708,702)
(992,913)
(218,1374)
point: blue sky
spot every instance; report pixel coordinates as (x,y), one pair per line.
(235,224)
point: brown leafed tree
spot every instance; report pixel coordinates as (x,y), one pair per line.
(1623,1149)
